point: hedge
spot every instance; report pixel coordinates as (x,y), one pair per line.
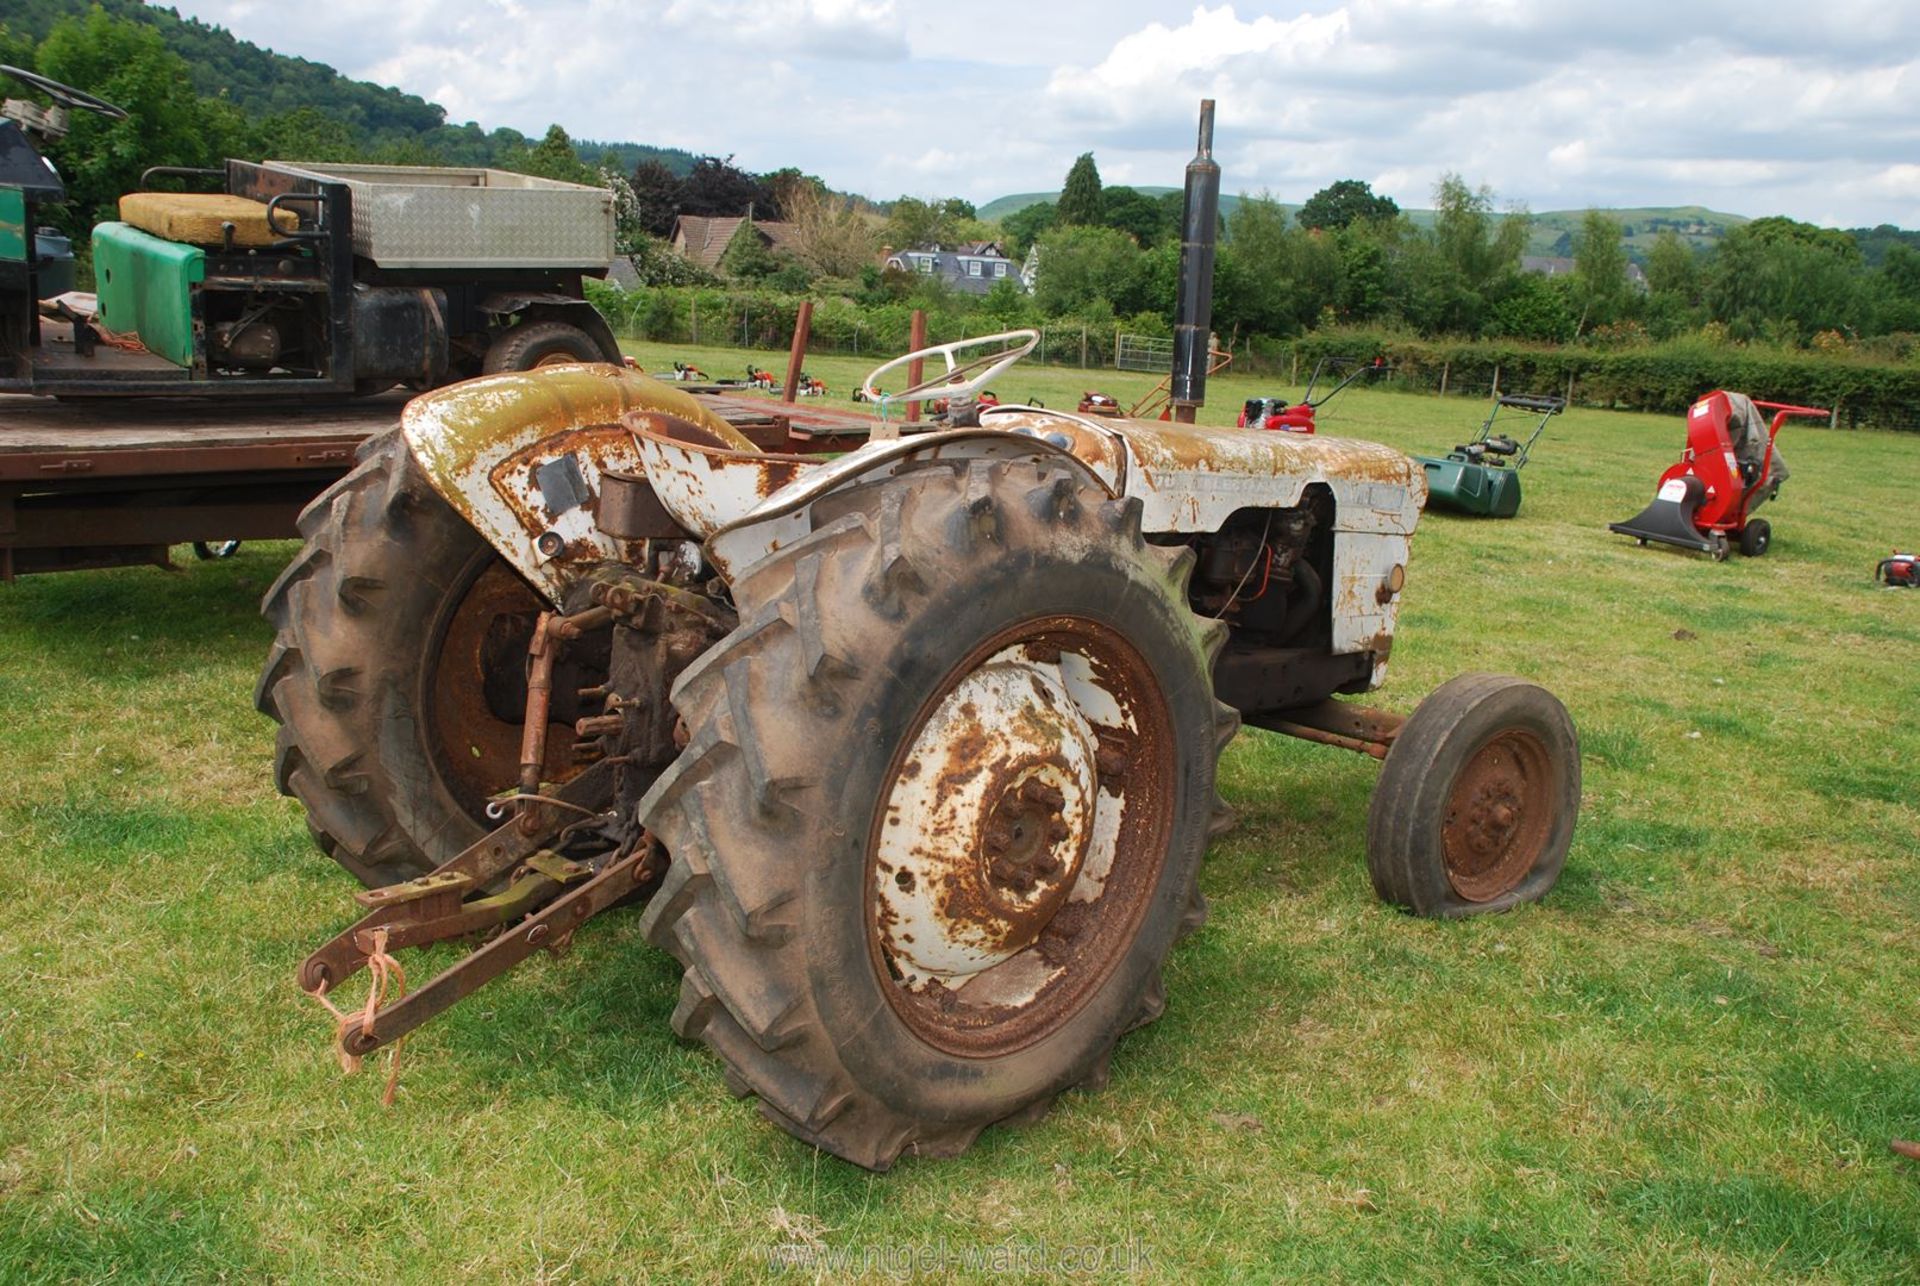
(1663,378)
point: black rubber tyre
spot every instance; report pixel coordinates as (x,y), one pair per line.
(1756,537)
(360,618)
(539,343)
(772,814)
(211,550)
(1476,803)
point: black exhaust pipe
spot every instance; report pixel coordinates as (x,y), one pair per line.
(1193,310)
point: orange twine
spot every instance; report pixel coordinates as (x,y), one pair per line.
(385,972)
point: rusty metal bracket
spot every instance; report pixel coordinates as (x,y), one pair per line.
(1336,723)
(474,867)
(549,928)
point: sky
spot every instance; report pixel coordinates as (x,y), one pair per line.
(1747,106)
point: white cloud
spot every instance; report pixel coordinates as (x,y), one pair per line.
(1757,106)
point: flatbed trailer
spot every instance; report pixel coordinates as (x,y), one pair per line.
(115,483)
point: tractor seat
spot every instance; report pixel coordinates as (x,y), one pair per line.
(202,218)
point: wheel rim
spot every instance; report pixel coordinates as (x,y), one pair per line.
(557,359)
(1499,815)
(1020,836)
(488,628)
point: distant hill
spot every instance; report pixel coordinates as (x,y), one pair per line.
(1552,234)
(264,83)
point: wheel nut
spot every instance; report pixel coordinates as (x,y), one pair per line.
(998,839)
(1038,792)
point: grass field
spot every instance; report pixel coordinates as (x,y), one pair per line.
(1687,1063)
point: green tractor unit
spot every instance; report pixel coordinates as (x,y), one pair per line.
(291,278)
(1483,476)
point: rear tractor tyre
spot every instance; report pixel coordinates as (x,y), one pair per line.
(393,626)
(1475,807)
(534,344)
(941,813)
(1756,538)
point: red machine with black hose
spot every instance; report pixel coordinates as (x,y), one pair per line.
(1729,469)
(1901,569)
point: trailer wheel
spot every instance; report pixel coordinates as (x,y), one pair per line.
(210,550)
(394,627)
(1475,807)
(941,813)
(1756,537)
(533,344)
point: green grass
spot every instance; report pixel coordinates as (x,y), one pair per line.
(1686,1063)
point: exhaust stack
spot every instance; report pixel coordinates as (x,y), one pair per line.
(1193,310)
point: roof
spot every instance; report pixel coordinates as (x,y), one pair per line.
(951,266)
(703,239)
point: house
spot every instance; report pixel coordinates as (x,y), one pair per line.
(1561,266)
(972,267)
(703,240)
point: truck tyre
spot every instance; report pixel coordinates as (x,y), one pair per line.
(539,343)
(387,625)
(964,737)
(1475,806)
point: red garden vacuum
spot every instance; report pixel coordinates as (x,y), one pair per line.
(1901,569)
(1276,413)
(1706,502)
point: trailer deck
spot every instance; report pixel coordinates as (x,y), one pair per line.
(102,482)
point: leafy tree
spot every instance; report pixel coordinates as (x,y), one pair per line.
(553,157)
(1467,262)
(715,186)
(913,222)
(1080,198)
(306,134)
(829,236)
(747,257)
(1142,217)
(1345,202)
(1082,266)
(1290,275)
(1672,267)
(129,65)
(1599,270)
(656,197)
(956,209)
(1024,226)
(1536,307)
(1776,278)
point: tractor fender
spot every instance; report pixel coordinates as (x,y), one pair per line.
(688,482)
(521,457)
(536,305)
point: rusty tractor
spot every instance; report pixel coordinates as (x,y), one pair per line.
(908,749)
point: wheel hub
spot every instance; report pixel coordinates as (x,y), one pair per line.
(1498,816)
(1021,831)
(988,825)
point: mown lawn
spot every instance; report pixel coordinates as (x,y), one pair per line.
(1687,1063)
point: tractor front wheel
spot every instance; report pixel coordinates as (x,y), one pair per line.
(1475,807)
(941,813)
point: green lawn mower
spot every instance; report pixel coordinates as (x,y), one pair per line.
(1483,476)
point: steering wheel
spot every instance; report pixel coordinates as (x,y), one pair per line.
(65,95)
(960,378)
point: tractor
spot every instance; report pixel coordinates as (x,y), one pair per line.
(908,751)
